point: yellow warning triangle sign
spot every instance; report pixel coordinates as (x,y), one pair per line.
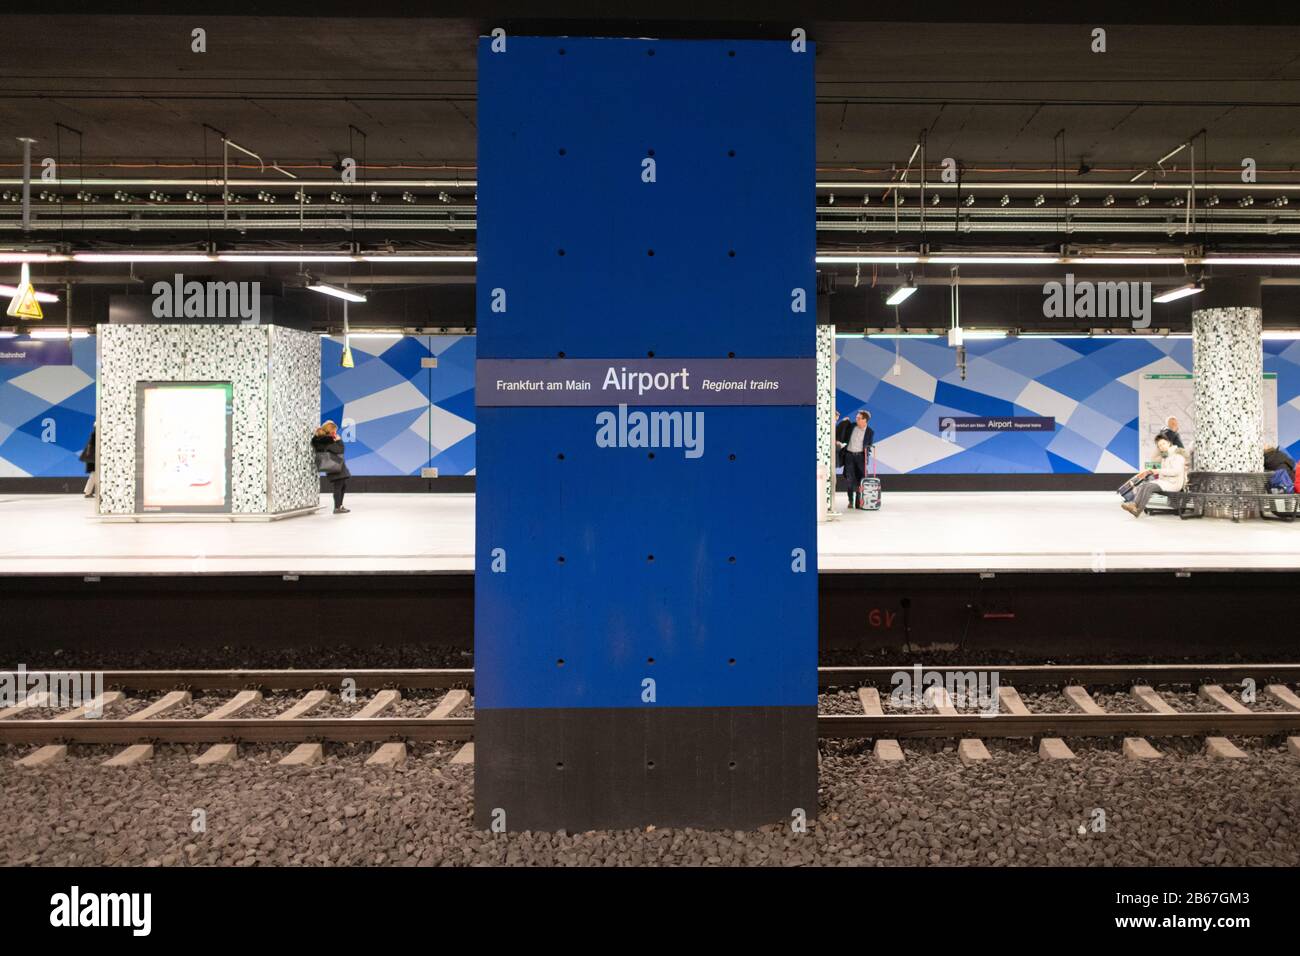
(346,361)
(24,304)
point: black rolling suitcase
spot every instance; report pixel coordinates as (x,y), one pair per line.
(869,489)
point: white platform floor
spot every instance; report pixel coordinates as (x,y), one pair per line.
(916,531)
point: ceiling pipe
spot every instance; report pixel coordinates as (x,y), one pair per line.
(272,184)
(828,185)
(1029,186)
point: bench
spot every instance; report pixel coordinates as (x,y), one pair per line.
(1227,494)
(1195,504)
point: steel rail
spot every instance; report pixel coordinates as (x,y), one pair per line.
(1257,724)
(1087,675)
(274,680)
(829,726)
(1015,675)
(248,730)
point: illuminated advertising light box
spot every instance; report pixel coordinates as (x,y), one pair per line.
(183,446)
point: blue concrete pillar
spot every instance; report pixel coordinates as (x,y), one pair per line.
(646,577)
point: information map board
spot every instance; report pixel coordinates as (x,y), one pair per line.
(1171,394)
(183,446)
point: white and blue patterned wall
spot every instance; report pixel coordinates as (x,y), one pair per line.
(408,417)
(47,406)
(1089,385)
(399,414)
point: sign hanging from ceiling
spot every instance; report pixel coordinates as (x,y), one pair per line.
(24,305)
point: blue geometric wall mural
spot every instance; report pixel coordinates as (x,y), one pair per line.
(406,415)
(1089,385)
(403,415)
(409,417)
(1283,357)
(47,406)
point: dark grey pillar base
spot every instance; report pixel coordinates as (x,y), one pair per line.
(605,768)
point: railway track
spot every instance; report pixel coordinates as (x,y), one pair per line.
(1222,716)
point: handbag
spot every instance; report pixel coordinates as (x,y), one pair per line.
(328,462)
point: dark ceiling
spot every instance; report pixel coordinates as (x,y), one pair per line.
(1011,101)
(993,96)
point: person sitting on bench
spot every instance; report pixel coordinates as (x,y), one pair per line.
(1275,460)
(1171,477)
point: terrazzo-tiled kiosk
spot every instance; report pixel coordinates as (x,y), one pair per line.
(206,422)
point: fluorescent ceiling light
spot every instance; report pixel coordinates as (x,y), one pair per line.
(865,260)
(56,334)
(400,258)
(1182,292)
(337,292)
(1251,261)
(139,257)
(8,335)
(985,334)
(269,257)
(1065,335)
(900,294)
(374,335)
(897,335)
(31,257)
(1281,335)
(995,260)
(1127,260)
(40,296)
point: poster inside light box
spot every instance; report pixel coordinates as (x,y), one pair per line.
(185,446)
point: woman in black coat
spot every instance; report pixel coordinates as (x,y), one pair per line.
(328,448)
(88,456)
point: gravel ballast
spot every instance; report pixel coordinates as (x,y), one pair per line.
(1015,809)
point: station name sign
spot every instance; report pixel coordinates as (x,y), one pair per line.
(648,381)
(993,423)
(37,351)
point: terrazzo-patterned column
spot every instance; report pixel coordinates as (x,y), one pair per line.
(1228,365)
(825,421)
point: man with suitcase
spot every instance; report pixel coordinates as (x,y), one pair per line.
(855,456)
